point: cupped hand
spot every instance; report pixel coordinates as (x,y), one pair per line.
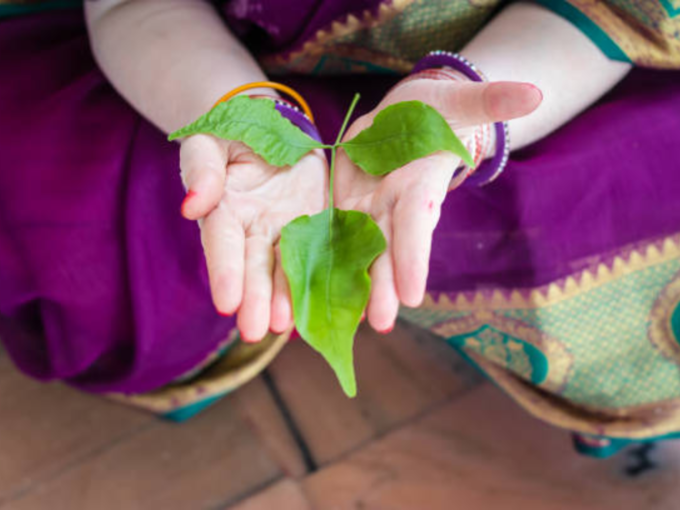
(406,203)
(241,204)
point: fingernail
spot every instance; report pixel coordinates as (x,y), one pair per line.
(510,100)
(533,97)
(191,194)
(225,314)
(540,92)
(386,330)
(247,340)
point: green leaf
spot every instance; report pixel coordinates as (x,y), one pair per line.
(400,134)
(258,124)
(327,270)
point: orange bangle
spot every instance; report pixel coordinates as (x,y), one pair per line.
(272,85)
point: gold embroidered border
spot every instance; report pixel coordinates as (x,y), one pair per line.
(644,45)
(241,364)
(635,422)
(641,422)
(660,330)
(572,286)
(313,49)
(561,359)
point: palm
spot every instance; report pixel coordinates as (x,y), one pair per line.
(242,204)
(405,204)
(264,198)
(377,195)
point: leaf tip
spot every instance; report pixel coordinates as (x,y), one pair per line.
(349,386)
(344,371)
(467,158)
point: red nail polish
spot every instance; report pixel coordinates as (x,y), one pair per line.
(225,314)
(386,330)
(186,200)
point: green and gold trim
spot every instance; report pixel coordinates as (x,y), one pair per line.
(642,32)
(599,37)
(182,400)
(597,352)
(672,7)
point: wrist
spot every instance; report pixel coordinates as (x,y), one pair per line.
(300,117)
(294,108)
(489,143)
(260,92)
(480,141)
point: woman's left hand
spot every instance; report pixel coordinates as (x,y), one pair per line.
(406,203)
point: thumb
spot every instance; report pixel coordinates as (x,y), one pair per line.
(203,162)
(472,103)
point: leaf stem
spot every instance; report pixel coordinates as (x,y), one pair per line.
(348,115)
(334,149)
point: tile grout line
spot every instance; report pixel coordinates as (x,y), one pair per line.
(403,423)
(307,457)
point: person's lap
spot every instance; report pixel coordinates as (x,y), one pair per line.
(104,283)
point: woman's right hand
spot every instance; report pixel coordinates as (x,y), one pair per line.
(406,203)
(241,204)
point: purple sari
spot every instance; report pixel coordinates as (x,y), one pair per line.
(103,284)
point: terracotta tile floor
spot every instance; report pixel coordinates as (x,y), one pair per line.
(424,433)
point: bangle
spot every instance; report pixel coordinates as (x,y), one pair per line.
(491,168)
(481,140)
(302,119)
(269,85)
(298,118)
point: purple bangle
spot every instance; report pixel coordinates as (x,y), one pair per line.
(298,119)
(491,168)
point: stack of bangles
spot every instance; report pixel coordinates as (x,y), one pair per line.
(302,119)
(489,144)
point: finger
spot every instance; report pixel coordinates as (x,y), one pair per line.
(415,216)
(471,104)
(254,314)
(224,246)
(414,224)
(203,162)
(282,310)
(383,304)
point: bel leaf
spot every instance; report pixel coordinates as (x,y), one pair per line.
(256,123)
(401,133)
(327,270)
